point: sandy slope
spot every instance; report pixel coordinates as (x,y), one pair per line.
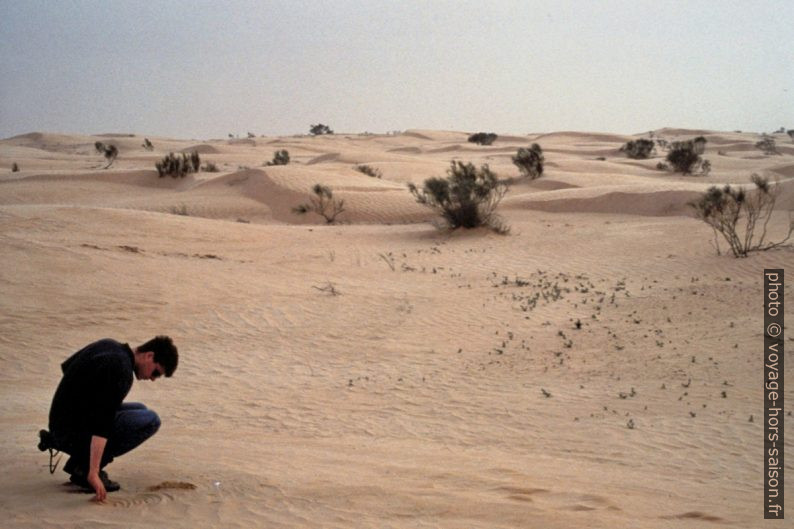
(445,385)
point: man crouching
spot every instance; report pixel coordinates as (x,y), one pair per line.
(88,418)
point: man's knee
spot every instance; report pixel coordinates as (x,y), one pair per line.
(154,422)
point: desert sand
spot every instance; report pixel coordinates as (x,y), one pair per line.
(380,372)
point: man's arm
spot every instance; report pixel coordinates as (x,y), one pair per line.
(97,449)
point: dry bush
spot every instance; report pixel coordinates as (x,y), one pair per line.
(279,158)
(110,152)
(767,145)
(684,156)
(639,149)
(323,203)
(369,171)
(178,166)
(320,129)
(725,208)
(483,138)
(467,198)
(530,161)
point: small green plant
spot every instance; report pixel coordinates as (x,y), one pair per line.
(467,198)
(147,145)
(279,158)
(369,171)
(684,156)
(178,166)
(483,138)
(323,203)
(767,145)
(530,161)
(639,149)
(320,129)
(724,208)
(14,168)
(110,152)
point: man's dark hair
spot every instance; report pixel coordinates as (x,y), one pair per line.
(165,353)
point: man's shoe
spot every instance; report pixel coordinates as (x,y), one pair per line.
(110,485)
(80,479)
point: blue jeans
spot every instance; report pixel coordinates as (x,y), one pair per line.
(134,423)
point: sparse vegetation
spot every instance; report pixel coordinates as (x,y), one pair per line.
(14,168)
(210,167)
(279,158)
(684,156)
(724,208)
(179,210)
(147,145)
(530,161)
(467,198)
(790,134)
(320,129)
(483,138)
(178,166)
(639,149)
(767,145)
(369,171)
(699,145)
(323,203)
(110,152)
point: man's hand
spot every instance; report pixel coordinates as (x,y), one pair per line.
(99,487)
(97,448)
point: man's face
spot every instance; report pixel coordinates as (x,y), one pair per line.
(147,368)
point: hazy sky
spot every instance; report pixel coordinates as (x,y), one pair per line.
(198,69)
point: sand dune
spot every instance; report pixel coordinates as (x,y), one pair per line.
(595,368)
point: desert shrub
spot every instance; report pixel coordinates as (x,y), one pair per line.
(662,166)
(179,210)
(14,168)
(279,158)
(767,145)
(178,166)
(467,198)
(251,135)
(684,158)
(195,161)
(699,145)
(369,171)
(530,161)
(210,167)
(323,203)
(724,208)
(110,152)
(147,144)
(638,149)
(483,138)
(790,134)
(320,129)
